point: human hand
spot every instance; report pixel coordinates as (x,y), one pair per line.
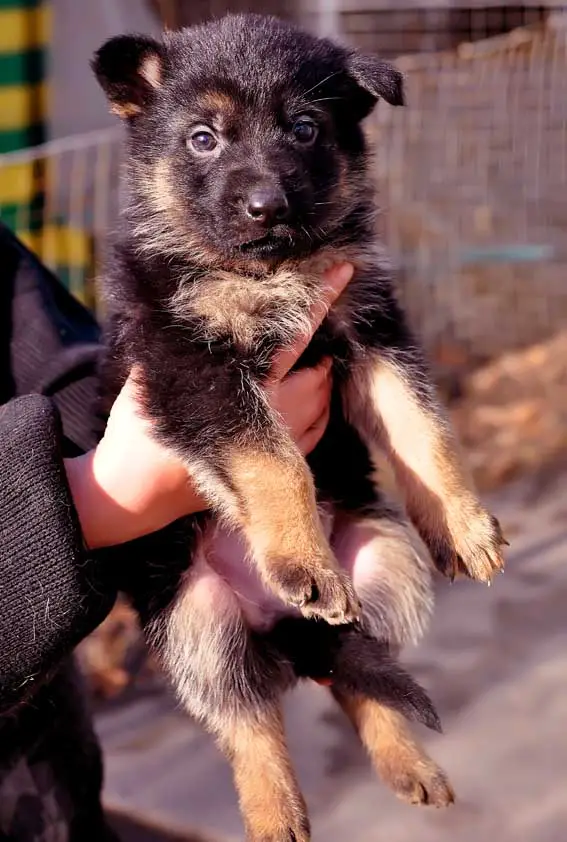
(131,485)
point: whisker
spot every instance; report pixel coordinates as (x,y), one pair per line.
(322,82)
(324,99)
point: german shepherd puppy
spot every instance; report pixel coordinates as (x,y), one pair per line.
(247,176)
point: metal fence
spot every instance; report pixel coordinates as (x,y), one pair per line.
(472,178)
(62,199)
(394,29)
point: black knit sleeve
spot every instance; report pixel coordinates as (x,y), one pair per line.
(52,592)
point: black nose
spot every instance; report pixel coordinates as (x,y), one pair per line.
(267,205)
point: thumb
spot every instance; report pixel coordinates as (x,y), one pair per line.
(335,280)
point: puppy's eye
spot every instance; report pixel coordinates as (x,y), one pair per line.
(202,140)
(304,130)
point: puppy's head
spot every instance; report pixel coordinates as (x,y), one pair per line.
(245,137)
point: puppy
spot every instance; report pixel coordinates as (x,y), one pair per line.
(247,175)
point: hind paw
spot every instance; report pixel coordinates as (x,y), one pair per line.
(474,545)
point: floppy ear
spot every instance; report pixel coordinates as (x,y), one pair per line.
(129,68)
(378,79)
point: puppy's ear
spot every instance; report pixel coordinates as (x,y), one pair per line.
(130,69)
(378,79)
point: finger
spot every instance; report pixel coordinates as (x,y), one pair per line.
(335,281)
(316,404)
(301,384)
(336,278)
(300,424)
(302,395)
(134,380)
(311,438)
(130,400)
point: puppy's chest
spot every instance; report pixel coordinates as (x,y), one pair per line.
(247,311)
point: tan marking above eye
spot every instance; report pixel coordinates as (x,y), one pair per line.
(217,101)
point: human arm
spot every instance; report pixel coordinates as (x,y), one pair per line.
(53,590)
(129,485)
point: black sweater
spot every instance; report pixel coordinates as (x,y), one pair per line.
(52,591)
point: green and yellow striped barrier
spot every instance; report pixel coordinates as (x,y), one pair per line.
(24,39)
(25,33)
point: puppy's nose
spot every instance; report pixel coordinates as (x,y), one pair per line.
(267,205)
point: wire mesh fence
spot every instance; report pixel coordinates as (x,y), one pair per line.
(471,177)
(61,199)
(407,27)
(472,180)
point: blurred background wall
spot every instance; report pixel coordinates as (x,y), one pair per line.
(79,28)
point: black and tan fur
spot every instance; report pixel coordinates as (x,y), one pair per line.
(202,294)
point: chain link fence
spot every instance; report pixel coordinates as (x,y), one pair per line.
(472,178)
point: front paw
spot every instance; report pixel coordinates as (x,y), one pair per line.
(422,784)
(284,831)
(318,592)
(472,545)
